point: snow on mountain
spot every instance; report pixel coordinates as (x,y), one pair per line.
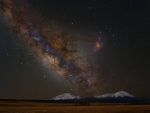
(120,94)
(115,95)
(65,96)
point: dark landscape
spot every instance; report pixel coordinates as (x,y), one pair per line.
(68,106)
(120,102)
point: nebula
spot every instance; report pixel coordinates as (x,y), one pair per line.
(58,48)
(98,45)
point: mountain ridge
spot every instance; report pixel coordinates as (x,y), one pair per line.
(65,96)
(119,94)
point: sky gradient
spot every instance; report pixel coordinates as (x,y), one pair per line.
(82,47)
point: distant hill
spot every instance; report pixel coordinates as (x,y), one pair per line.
(66,96)
(120,96)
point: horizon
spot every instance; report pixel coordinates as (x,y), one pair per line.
(95,96)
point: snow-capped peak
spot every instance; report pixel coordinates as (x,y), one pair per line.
(115,95)
(65,96)
(123,94)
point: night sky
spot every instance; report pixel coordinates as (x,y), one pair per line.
(82,47)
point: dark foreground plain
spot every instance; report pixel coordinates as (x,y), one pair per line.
(36,107)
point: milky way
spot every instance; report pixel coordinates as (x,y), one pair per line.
(58,48)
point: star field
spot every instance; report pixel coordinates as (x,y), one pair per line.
(83,47)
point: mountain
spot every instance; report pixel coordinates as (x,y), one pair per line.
(120,94)
(68,96)
(65,96)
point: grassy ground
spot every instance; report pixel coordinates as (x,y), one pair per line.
(30,107)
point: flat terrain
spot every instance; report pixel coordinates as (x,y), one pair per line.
(34,107)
